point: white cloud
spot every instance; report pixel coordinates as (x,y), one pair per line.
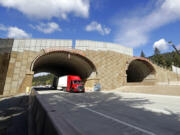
(134,31)
(94,26)
(47,9)
(2,27)
(47,28)
(178,47)
(14,32)
(161,44)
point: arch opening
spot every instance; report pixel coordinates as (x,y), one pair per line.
(140,70)
(43,79)
(62,63)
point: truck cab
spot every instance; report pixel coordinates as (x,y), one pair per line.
(71,83)
(74,84)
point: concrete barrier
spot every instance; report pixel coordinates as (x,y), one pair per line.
(43,121)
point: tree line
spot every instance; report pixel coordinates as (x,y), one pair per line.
(165,60)
(43,80)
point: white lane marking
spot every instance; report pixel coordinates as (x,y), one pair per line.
(114,119)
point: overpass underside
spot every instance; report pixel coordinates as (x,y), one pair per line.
(62,63)
(140,71)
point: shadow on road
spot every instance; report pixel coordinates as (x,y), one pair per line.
(44,89)
(123,109)
(13,115)
(13,112)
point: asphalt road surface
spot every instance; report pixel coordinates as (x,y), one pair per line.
(116,113)
(13,115)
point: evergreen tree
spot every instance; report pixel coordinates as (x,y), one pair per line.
(176,59)
(142,54)
(166,59)
(156,51)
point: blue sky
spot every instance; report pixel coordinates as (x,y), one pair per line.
(140,24)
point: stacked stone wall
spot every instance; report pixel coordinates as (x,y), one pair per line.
(21,54)
(111,68)
(19,66)
(111,65)
(4,61)
(166,76)
(5,51)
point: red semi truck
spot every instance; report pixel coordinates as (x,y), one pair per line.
(71,83)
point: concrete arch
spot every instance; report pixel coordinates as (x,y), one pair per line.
(140,70)
(63,62)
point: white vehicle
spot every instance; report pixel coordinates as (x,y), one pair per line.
(62,83)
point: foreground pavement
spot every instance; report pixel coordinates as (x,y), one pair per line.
(13,115)
(116,113)
(173,90)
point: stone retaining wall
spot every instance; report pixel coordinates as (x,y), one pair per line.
(111,64)
(111,68)
(5,51)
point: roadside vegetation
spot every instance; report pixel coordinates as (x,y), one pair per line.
(165,60)
(43,80)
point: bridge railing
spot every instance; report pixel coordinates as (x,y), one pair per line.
(102,46)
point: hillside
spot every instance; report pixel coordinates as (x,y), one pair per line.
(166,60)
(43,80)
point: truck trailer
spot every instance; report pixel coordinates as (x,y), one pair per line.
(71,83)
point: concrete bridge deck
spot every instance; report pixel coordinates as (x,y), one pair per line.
(108,113)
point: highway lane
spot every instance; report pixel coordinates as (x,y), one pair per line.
(98,113)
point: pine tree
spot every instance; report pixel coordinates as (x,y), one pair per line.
(142,54)
(156,51)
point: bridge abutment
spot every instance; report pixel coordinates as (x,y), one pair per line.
(109,60)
